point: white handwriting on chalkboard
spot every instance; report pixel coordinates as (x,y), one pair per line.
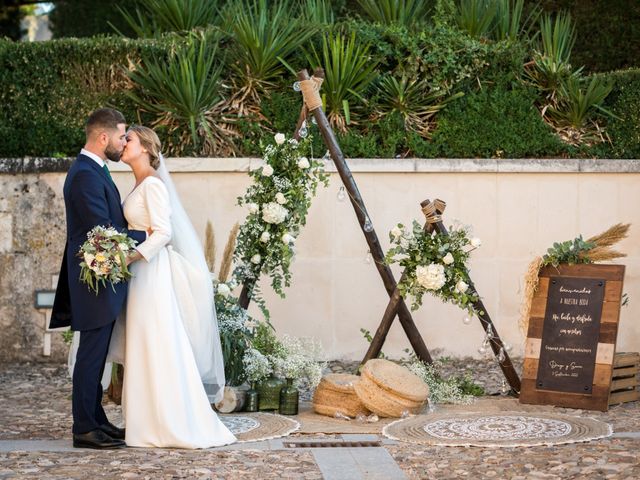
(560,348)
(567,317)
(564,370)
(574,301)
(570,331)
(575,290)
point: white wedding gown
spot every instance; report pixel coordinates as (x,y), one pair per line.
(164,402)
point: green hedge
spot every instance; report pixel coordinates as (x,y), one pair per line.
(47,89)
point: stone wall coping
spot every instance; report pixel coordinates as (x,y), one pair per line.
(363,165)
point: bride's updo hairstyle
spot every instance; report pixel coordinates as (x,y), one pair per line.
(150,142)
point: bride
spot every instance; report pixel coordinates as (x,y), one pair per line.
(171,344)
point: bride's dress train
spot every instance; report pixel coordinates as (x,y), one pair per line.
(164,402)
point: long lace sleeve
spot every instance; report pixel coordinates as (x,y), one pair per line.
(158,206)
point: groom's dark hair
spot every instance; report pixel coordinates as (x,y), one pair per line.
(103,119)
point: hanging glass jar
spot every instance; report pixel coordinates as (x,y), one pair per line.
(251,399)
(289,399)
(269,393)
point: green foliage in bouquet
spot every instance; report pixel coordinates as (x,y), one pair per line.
(278,202)
(571,252)
(434,263)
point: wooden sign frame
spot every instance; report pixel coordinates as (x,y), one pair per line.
(598,398)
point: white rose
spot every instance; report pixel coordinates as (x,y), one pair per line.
(447,259)
(461,286)
(256,259)
(274,213)
(304,163)
(287,239)
(265,237)
(280,198)
(89,258)
(279,137)
(396,232)
(267,170)
(431,277)
(223,289)
(476,242)
(253,207)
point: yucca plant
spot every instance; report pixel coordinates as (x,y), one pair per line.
(413,100)
(265,34)
(579,102)
(510,22)
(318,12)
(551,65)
(348,70)
(182,91)
(400,12)
(154,17)
(476,17)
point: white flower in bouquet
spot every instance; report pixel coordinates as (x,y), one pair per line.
(476,242)
(124,247)
(253,207)
(288,238)
(267,170)
(303,163)
(431,277)
(461,286)
(279,138)
(396,232)
(274,213)
(448,259)
(223,289)
(89,258)
(265,237)
(280,198)
(256,366)
(256,259)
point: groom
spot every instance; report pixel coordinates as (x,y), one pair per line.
(91,199)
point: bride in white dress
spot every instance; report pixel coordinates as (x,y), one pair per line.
(171,340)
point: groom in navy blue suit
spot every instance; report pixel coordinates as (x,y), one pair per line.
(91,199)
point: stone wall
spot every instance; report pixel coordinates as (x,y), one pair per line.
(518,208)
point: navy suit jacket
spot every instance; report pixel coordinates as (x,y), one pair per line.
(90,199)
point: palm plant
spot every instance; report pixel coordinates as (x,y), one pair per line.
(154,17)
(476,17)
(510,22)
(400,12)
(578,103)
(265,36)
(413,100)
(182,92)
(349,70)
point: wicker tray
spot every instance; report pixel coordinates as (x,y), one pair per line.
(396,379)
(336,393)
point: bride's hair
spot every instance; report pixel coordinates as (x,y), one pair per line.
(150,141)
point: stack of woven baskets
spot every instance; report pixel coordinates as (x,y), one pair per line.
(385,388)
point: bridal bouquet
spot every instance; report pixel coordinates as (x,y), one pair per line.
(104,257)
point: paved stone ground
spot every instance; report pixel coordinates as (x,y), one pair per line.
(35,424)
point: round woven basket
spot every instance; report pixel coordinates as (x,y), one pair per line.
(396,379)
(390,390)
(336,393)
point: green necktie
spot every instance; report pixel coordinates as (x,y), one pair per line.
(106,170)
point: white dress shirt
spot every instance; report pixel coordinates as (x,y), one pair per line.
(93,156)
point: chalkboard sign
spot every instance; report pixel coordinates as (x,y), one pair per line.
(571,338)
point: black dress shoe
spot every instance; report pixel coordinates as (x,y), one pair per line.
(96,439)
(113,431)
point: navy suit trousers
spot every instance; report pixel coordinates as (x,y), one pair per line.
(88,413)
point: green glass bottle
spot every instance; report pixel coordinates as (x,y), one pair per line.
(251,399)
(269,393)
(289,399)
